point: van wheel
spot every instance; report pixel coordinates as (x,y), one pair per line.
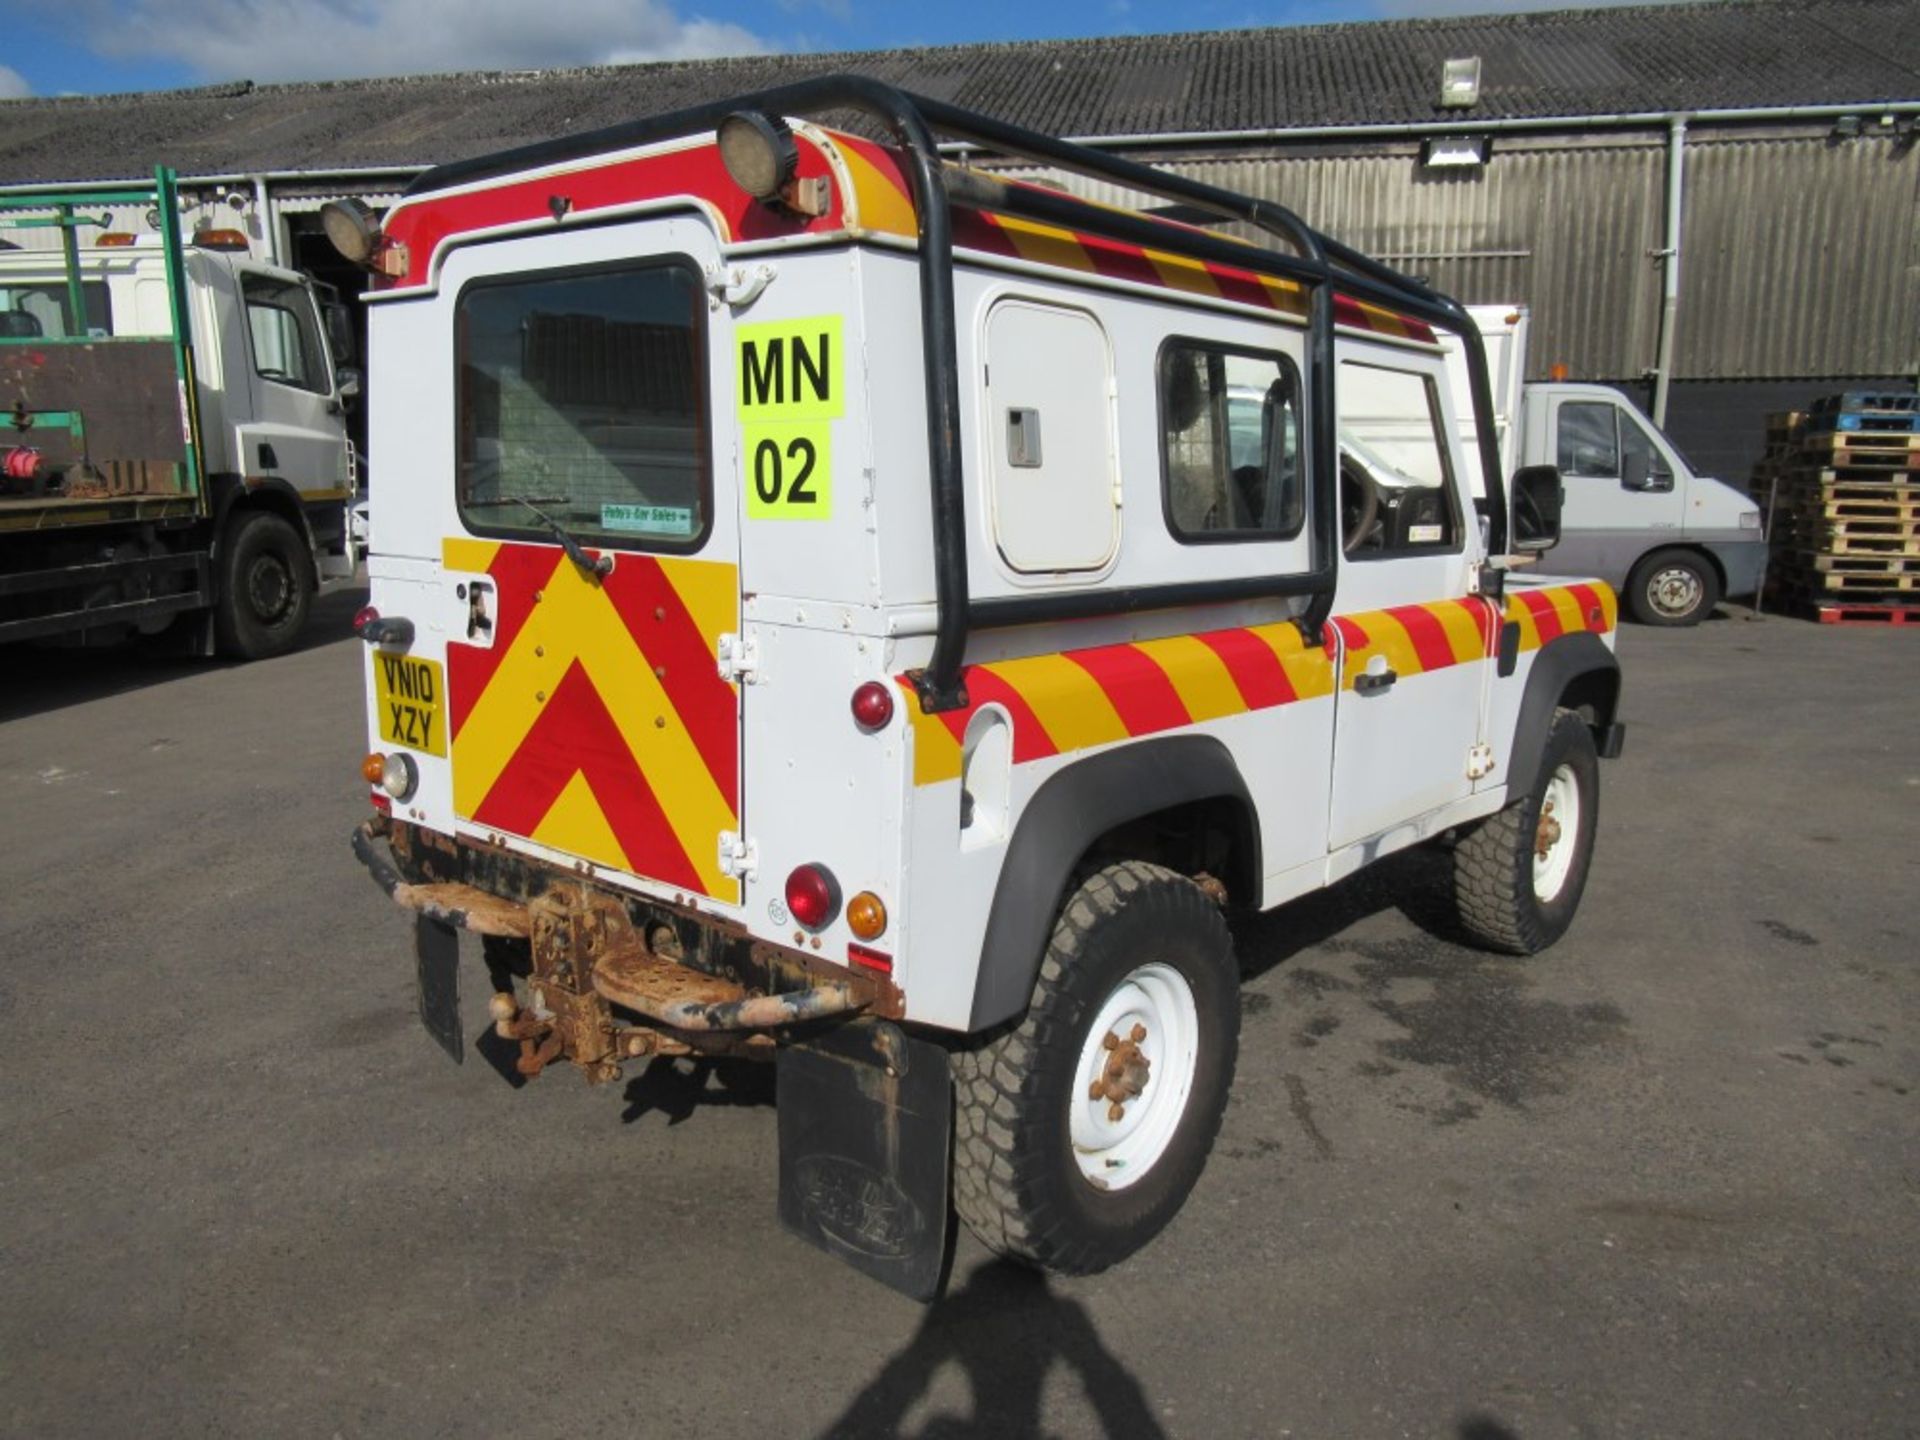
(264,592)
(1517,878)
(1673,587)
(1080,1132)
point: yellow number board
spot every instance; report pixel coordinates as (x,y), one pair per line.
(408,693)
(792,378)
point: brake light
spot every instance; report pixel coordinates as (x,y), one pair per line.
(363,617)
(873,705)
(812,896)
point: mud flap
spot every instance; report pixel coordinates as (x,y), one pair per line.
(866,1122)
(436,950)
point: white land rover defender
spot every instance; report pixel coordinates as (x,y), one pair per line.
(835,606)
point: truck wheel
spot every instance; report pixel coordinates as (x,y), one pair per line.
(1079,1132)
(264,592)
(1673,587)
(1517,878)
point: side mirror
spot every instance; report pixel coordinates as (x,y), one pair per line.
(1633,470)
(1537,493)
(347,381)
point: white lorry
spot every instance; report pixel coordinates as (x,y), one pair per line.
(173,454)
(833,606)
(1673,543)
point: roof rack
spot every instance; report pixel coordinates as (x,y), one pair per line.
(1319,263)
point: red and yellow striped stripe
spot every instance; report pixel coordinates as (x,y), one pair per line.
(1078,699)
(597,722)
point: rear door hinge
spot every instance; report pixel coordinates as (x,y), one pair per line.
(739,658)
(739,856)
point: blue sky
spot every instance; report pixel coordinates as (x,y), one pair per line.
(94,46)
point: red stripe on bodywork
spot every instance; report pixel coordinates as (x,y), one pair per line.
(1545,617)
(1429,637)
(651,609)
(1256,670)
(1592,613)
(1484,620)
(1030,738)
(1142,696)
(516,571)
(576,736)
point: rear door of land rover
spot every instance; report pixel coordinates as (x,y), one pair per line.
(586,567)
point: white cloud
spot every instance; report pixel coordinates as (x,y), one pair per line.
(13,85)
(338,39)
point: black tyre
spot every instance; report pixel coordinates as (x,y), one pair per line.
(1138,993)
(1517,878)
(1673,587)
(264,588)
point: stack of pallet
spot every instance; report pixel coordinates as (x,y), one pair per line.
(1840,499)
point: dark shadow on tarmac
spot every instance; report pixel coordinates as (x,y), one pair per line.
(41,679)
(1007,1330)
(677,1087)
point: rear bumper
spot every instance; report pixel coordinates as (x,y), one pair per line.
(587,944)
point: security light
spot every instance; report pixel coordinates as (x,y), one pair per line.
(1455,152)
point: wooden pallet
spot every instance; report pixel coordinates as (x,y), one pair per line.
(1829,564)
(1817,583)
(1901,470)
(1790,537)
(1841,612)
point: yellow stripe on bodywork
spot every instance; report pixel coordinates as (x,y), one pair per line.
(874,200)
(1385,636)
(468,556)
(1199,676)
(1309,669)
(574,620)
(1465,635)
(1180,273)
(1046,244)
(574,823)
(1069,703)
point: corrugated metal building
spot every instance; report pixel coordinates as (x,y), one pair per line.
(1784,129)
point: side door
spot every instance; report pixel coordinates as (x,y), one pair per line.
(1620,489)
(1413,642)
(296,431)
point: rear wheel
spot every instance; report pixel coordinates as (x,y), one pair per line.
(1517,879)
(1080,1132)
(1673,587)
(264,591)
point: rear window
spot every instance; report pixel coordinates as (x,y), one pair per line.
(39,311)
(584,394)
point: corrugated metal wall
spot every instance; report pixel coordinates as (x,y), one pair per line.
(1800,258)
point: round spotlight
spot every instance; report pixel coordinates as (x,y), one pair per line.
(352,228)
(759,153)
(399,776)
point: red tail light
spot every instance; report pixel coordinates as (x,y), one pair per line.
(812,896)
(873,705)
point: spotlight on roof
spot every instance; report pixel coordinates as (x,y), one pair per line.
(352,228)
(759,153)
(1460,83)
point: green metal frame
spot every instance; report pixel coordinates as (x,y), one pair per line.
(73,210)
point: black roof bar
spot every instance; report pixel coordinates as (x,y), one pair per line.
(1317,262)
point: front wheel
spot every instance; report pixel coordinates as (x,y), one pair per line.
(1673,588)
(264,594)
(1080,1132)
(1517,878)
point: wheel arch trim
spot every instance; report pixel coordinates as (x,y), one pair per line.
(1557,666)
(1074,807)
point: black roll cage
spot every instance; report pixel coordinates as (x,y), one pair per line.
(1319,263)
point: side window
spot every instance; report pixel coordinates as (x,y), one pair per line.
(1637,444)
(286,338)
(1050,438)
(1230,443)
(1587,441)
(583,397)
(31,312)
(1396,477)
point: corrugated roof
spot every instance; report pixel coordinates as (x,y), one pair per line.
(1721,55)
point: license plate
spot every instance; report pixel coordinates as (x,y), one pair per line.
(408,693)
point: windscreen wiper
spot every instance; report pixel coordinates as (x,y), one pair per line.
(576,552)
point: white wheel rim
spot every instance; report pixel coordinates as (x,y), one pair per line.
(1156,1004)
(1557,835)
(1675,590)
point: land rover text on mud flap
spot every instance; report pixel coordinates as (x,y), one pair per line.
(837,606)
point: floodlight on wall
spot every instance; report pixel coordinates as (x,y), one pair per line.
(1847,127)
(1460,83)
(1455,152)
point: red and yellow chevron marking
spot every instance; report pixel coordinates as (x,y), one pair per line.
(597,722)
(1077,699)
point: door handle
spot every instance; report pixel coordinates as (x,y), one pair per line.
(1373,682)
